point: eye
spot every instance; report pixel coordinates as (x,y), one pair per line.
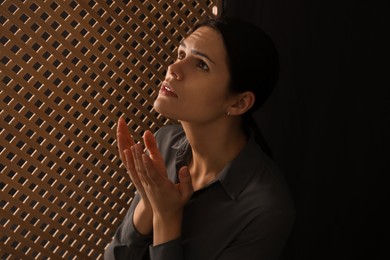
(181,55)
(203,65)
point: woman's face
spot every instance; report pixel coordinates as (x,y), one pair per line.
(196,85)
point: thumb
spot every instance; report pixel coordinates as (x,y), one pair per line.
(186,188)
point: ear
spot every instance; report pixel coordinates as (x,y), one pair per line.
(241,103)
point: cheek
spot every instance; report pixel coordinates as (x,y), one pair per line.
(209,96)
(217,89)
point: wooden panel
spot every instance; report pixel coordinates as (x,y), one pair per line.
(68,70)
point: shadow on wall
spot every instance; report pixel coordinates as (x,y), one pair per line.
(328,121)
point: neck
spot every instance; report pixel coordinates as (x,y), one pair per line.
(213,147)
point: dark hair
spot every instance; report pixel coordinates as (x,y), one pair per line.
(252,57)
(253,63)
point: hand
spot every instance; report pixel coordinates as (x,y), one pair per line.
(125,142)
(143,214)
(166,198)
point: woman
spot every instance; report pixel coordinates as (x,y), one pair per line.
(205,188)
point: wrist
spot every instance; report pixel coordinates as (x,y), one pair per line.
(166,228)
(143,218)
(145,208)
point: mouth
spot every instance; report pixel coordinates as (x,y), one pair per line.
(167,90)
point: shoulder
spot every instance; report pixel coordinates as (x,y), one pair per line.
(266,188)
(255,181)
(275,197)
(268,195)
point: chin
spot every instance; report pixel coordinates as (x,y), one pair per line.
(162,109)
(157,106)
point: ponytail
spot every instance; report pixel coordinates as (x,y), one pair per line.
(251,126)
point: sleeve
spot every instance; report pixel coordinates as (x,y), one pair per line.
(127,242)
(172,250)
(263,238)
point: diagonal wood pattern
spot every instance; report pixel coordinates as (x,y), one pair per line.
(68,70)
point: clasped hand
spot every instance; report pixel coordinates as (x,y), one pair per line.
(149,175)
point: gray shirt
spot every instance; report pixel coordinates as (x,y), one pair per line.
(246,213)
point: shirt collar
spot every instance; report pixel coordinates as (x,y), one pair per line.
(235,175)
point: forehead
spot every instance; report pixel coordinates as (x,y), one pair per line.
(204,33)
(208,41)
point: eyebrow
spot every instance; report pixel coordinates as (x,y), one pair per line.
(198,52)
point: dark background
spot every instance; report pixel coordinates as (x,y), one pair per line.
(327,122)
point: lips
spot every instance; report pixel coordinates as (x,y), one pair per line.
(167,90)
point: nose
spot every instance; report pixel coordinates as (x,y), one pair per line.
(175,70)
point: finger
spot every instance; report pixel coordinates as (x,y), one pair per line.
(123,136)
(136,181)
(154,177)
(134,153)
(154,152)
(124,140)
(122,126)
(130,166)
(186,188)
(151,145)
(135,178)
(139,165)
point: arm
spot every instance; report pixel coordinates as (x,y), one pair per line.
(128,242)
(143,213)
(133,236)
(166,198)
(160,200)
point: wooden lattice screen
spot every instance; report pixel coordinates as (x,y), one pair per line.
(68,70)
